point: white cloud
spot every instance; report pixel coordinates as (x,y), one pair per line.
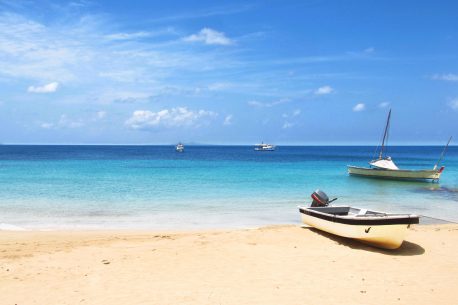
(219,86)
(66,122)
(454,104)
(290,117)
(47,125)
(447,77)
(268,104)
(228,120)
(49,88)
(324,90)
(174,117)
(140,34)
(81,3)
(369,50)
(287,125)
(209,36)
(122,97)
(127,36)
(359,107)
(255,104)
(384,104)
(63,122)
(295,113)
(207,12)
(101,115)
(77,50)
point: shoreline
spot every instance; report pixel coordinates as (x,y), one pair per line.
(185,229)
(279,264)
(5,227)
(8,227)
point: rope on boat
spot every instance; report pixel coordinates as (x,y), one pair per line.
(302,202)
(439,219)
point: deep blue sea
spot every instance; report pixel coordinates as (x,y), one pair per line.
(154,187)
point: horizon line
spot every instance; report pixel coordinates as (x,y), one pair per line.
(215,144)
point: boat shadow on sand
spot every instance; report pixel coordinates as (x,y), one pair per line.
(407,248)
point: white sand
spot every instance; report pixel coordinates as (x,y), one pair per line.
(272,265)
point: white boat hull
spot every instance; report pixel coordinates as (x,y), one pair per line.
(383,230)
(384,236)
(264,147)
(179,148)
(396,174)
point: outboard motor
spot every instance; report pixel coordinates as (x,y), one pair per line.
(320,199)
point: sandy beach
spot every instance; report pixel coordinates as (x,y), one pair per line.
(269,265)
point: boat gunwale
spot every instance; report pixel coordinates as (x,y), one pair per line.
(396,170)
(387,219)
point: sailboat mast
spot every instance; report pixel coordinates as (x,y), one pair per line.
(385,135)
(443,153)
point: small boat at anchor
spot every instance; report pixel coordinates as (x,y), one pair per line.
(382,230)
(264,147)
(384,166)
(179,147)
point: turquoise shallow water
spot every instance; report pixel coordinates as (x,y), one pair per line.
(150,187)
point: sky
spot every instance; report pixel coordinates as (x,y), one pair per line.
(305,72)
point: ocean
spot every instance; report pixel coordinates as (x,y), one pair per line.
(49,187)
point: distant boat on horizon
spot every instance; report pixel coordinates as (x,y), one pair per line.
(179,147)
(264,147)
(384,167)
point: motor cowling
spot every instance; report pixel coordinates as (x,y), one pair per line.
(320,199)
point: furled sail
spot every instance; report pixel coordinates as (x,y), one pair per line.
(384,164)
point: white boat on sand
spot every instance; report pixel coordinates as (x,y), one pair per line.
(384,167)
(378,229)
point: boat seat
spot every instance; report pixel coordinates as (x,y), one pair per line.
(362,212)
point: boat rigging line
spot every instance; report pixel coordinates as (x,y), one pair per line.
(443,153)
(439,219)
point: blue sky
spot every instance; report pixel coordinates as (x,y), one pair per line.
(235,72)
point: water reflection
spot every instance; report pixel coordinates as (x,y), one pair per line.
(445,192)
